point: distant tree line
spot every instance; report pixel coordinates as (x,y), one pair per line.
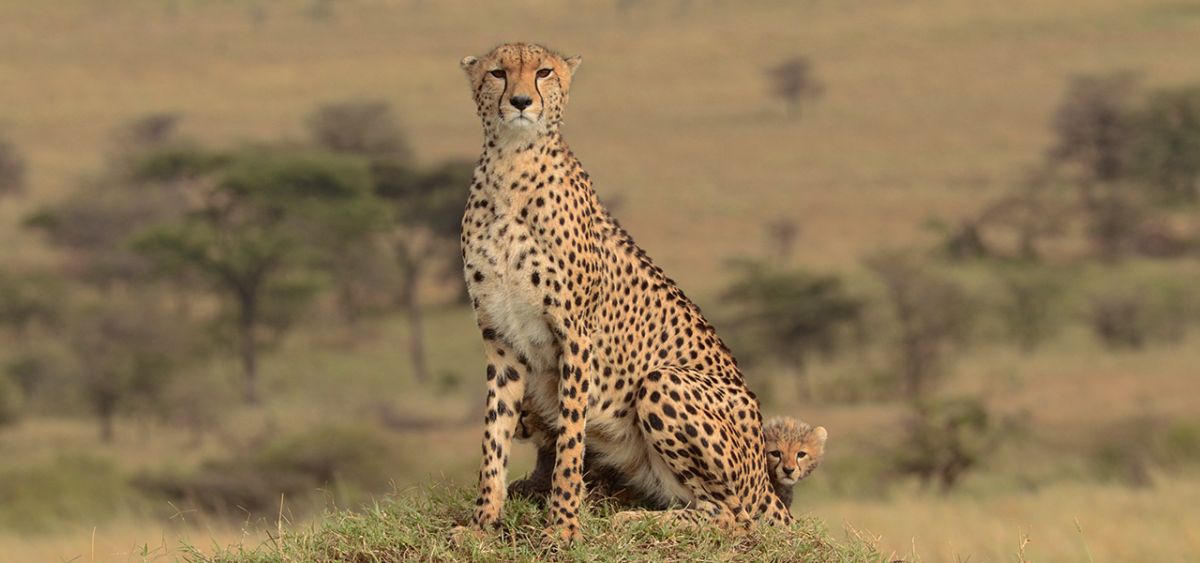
(1121,179)
(177,251)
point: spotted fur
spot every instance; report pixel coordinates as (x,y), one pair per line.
(794,449)
(581,327)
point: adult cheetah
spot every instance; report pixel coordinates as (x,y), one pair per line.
(573,313)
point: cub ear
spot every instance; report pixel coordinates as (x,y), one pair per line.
(468,65)
(573,63)
(821,434)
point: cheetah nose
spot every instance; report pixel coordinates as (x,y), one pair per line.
(521,102)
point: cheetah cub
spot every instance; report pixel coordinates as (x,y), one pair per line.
(794,449)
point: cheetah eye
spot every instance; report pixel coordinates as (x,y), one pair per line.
(543,73)
(774,453)
(498,74)
(801,455)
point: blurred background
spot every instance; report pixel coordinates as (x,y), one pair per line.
(962,236)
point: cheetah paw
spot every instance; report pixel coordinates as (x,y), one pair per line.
(461,535)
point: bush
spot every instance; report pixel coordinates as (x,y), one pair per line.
(70,488)
(1131,317)
(345,460)
(11,399)
(1120,320)
(946,439)
(1029,306)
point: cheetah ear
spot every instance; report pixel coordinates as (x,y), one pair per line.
(573,63)
(468,65)
(821,434)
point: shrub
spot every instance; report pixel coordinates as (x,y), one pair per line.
(1120,319)
(345,460)
(947,438)
(70,488)
(1028,307)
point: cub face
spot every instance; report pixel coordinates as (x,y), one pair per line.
(792,456)
(520,89)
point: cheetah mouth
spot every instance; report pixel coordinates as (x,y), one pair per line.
(520,119)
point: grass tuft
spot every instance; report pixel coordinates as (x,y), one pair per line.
(417,528)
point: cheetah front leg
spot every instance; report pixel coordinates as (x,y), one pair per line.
(506,377)
(567,484)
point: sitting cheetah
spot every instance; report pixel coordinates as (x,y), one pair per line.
(794,450)
(576,318)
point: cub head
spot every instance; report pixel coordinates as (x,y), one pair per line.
(794,449)
(520,90)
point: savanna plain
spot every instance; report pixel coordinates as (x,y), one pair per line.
(1076,445)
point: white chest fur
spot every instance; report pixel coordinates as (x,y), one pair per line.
(506,274)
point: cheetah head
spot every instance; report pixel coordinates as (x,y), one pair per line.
(520,90)
(793,451)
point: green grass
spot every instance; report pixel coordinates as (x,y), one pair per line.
(417,528)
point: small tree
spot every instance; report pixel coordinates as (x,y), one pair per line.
(1096,132)
(793,81)
(362,127)
(428,215)
(790,315)
(932,314)
(260,221)
(125,351)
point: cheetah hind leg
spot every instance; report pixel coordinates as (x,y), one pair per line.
(700,445)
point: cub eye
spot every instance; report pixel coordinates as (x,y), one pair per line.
(801,455)
(543,73)
(498,74)
(774,453)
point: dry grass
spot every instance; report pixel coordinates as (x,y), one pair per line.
(126,541)
(1118,524)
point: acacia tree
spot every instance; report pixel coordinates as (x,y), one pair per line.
(126,345)
(793,81)
(424,236)
(259,223)
(426,211)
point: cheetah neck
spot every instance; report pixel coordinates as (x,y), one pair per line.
(515,172)
(517,143)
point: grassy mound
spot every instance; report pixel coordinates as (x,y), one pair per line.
(416,529)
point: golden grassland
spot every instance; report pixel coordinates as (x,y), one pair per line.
(931,107)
